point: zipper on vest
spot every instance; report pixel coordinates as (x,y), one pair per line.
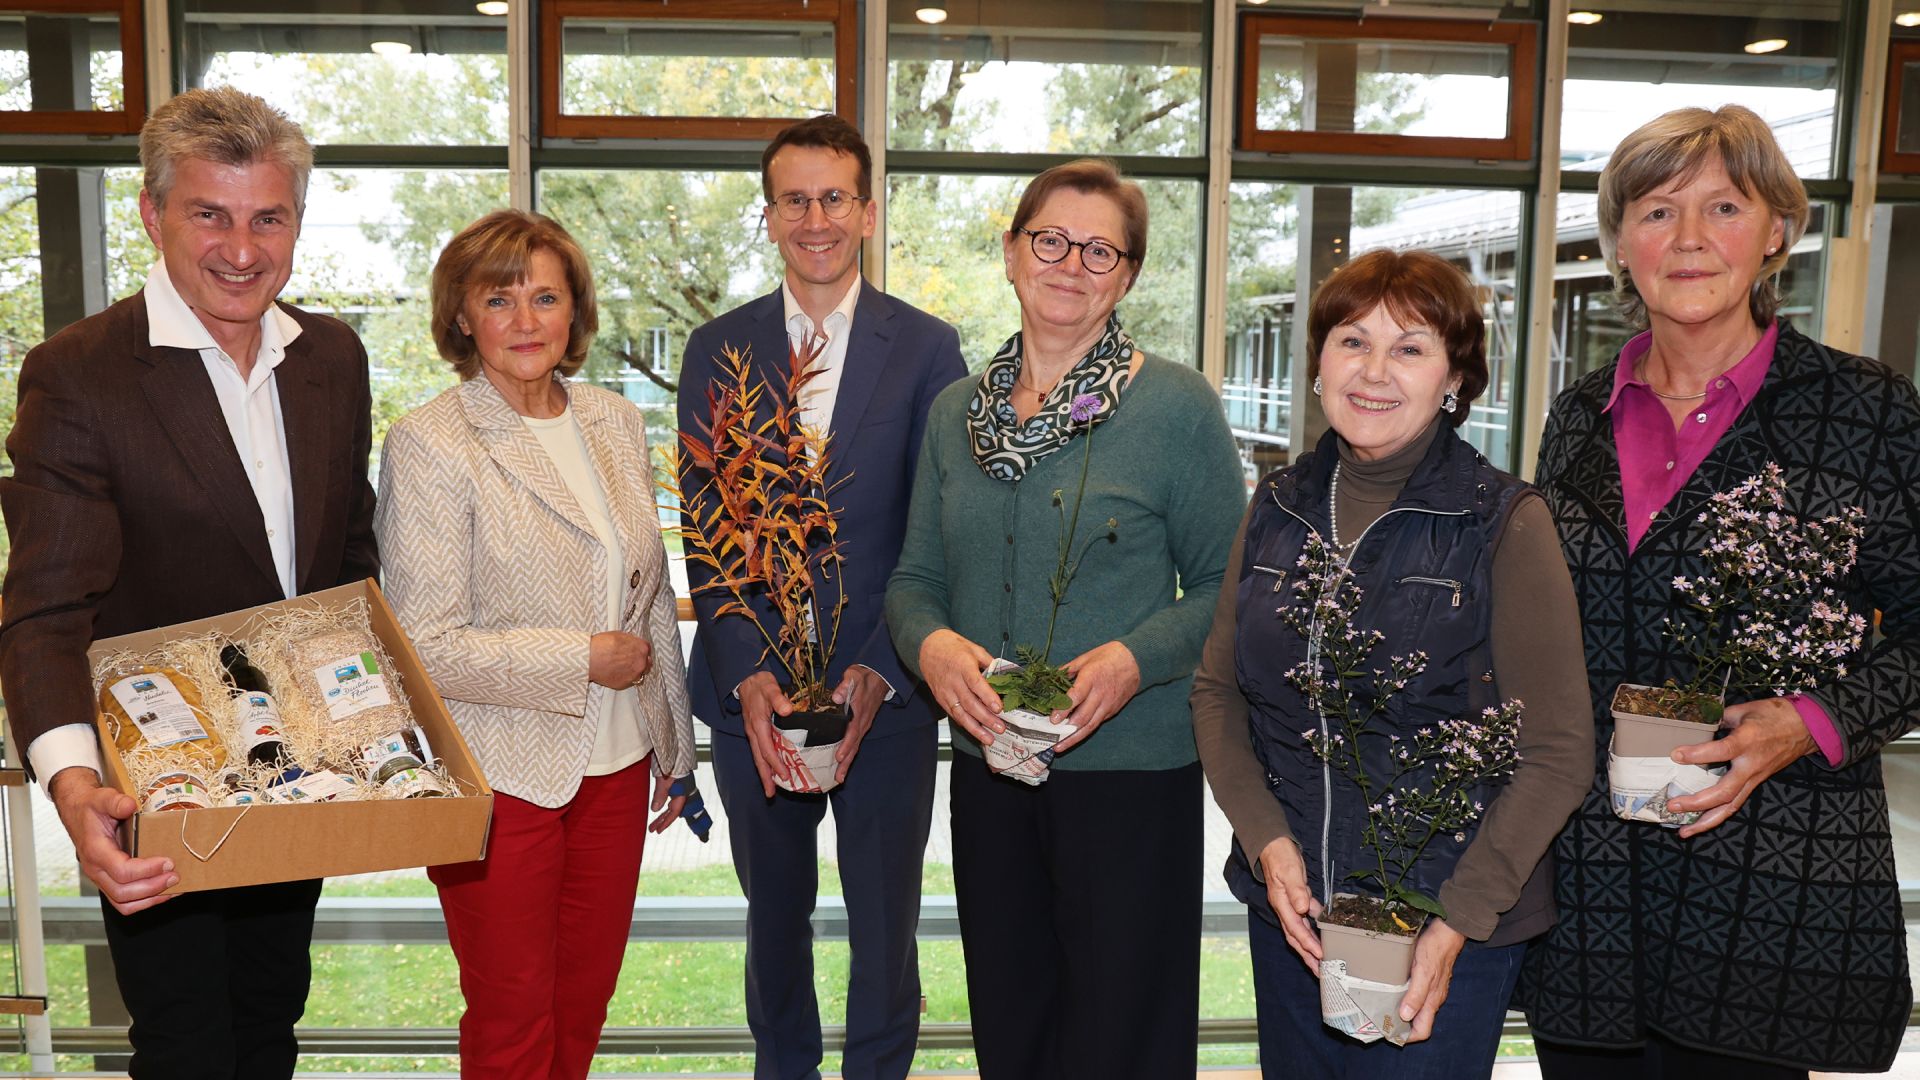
(1313,657)
(1279,579)
(1445,583)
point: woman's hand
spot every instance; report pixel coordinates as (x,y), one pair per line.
(1434,952)
(673,803)
(952,665)
(1105,678)
(1763,737)
(1286,875)
(617,660)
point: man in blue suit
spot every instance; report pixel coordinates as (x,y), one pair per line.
(881,362)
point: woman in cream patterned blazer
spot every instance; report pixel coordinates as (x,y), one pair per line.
(524,558)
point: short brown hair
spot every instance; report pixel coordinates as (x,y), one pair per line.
(1676,146)
(827,131)
(1092,176)
(498,250)
(227,127)
(1419,288)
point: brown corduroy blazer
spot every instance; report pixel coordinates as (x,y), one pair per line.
(129,507)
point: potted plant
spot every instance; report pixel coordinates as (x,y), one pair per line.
(754,481)
(1415,786)
(1032,688)
(1767,615)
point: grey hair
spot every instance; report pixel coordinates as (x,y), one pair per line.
(227,127)
(1677,145)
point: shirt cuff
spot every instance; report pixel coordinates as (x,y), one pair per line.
(1820,726)
(63,748)
(883,681)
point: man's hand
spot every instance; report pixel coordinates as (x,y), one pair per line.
(672,804)
(92,814)
(1286,876)
(1105,678)
(760,701)
(864,687)
(1763,737)
(1434,952)
(617,660)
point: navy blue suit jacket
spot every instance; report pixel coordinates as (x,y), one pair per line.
(898,358)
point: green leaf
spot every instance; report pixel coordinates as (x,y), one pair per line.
(1011,700)
(1423,902)
(1711,710)
(1060,701)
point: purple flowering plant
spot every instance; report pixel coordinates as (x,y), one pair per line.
(1768,613)
(1038,684)
(1427,787)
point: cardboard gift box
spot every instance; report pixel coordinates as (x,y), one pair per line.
(225,846)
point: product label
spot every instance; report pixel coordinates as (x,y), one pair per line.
(258,719)
(416,784)
(176,791)
(162,715)
(389,755)
(320,785)
(352,685)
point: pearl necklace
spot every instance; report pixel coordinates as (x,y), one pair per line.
(1333,510)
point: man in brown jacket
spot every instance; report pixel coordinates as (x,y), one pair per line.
(193,449)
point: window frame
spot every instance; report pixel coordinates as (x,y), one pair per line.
(840,14)
(133,76)
(1522,40)
(1900,52)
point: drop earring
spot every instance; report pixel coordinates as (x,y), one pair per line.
(1316,386)
(1450,402)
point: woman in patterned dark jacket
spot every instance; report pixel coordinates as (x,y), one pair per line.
(1766,938)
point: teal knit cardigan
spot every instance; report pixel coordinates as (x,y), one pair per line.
(979,552)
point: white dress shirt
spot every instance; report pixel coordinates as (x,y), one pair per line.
(251,408)
(821,391)
(622,738)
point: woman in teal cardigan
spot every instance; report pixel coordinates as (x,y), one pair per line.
(1079,897)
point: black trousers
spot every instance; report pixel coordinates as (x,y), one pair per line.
(215,981)
(1659,1058)
(1080,917)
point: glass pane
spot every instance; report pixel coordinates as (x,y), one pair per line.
(1274,229)
(1588,329)
(1907,139)
(1094,78)
(649,67)
(943,256)
(1434,88)
(1892,331)
(352,72)
(1635,64)
(75,62)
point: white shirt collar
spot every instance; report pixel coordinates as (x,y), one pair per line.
(805,327)
(172,324)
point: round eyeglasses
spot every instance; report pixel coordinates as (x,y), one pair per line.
(1098,256)
(836,204)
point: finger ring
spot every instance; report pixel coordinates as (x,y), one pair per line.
(956,704)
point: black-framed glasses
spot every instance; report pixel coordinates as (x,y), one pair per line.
(1050,246)
(835,203)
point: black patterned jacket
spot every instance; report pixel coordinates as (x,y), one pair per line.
(1779,934)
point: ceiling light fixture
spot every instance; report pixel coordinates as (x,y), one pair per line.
(491,7)
(931,12)
(1584,18)
(1765,45)
(1907,18)
(391,48)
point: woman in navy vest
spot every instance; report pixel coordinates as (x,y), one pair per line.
(1453,557)
(1765,939)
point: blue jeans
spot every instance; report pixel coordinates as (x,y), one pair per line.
(1294,1043)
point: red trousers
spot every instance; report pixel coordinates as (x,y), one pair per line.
(540,927)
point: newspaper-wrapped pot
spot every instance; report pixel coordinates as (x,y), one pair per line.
(1641,773)
(1363,976)
(808,740)
(1024,751)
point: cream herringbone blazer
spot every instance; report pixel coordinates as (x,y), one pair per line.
(495,572)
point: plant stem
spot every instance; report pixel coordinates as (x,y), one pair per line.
(1066,546)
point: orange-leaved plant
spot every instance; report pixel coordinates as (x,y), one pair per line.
(752,482)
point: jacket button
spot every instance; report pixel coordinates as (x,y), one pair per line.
(634,581)
(1009,538)
(1487,677)
(1007,586)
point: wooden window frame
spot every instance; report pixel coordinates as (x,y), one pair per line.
(133,76)
(1900,52)
(1521,38)
(840,14)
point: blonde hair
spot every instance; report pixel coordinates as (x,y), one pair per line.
(1676,146)
(227,127)
(498,250)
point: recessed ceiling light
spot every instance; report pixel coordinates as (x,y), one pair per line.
(931,12)
(1765,45)
(1582,258)
(391,48)
(1584,18)
(491,7)
(1908,18)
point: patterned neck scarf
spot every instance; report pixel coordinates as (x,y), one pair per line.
(1005,448)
